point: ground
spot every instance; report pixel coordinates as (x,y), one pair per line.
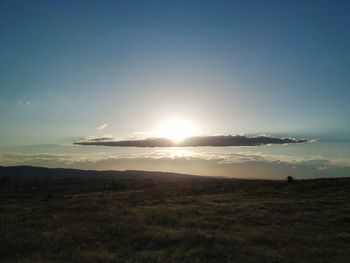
(181,219)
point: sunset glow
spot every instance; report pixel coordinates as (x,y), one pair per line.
(176,130)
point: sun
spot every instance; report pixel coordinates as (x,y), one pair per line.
(176,130)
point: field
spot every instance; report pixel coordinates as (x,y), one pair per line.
(162,217)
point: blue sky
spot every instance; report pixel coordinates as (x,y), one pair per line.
(277,67)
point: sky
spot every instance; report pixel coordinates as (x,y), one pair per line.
(68,68)
(88,72)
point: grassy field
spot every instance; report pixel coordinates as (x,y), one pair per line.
(155,217)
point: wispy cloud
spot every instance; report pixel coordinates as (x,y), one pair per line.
(215,141)
(25,103)
(102,127)
(97,138)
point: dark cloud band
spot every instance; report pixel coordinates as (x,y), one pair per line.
(214,141)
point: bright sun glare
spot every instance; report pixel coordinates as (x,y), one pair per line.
(176,130)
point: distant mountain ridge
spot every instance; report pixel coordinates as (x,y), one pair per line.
(30,172)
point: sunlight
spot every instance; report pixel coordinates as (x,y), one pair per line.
(176,130)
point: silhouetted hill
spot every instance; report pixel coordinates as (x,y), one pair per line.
(31,180)
(34,172)
(23,172)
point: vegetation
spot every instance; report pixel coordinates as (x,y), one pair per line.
(156,217)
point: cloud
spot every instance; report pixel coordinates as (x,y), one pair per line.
(215,141)
(96,138)
(28,104)
(102,127)
(240,165)
(25,103)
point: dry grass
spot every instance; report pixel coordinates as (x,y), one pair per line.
(189,221)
